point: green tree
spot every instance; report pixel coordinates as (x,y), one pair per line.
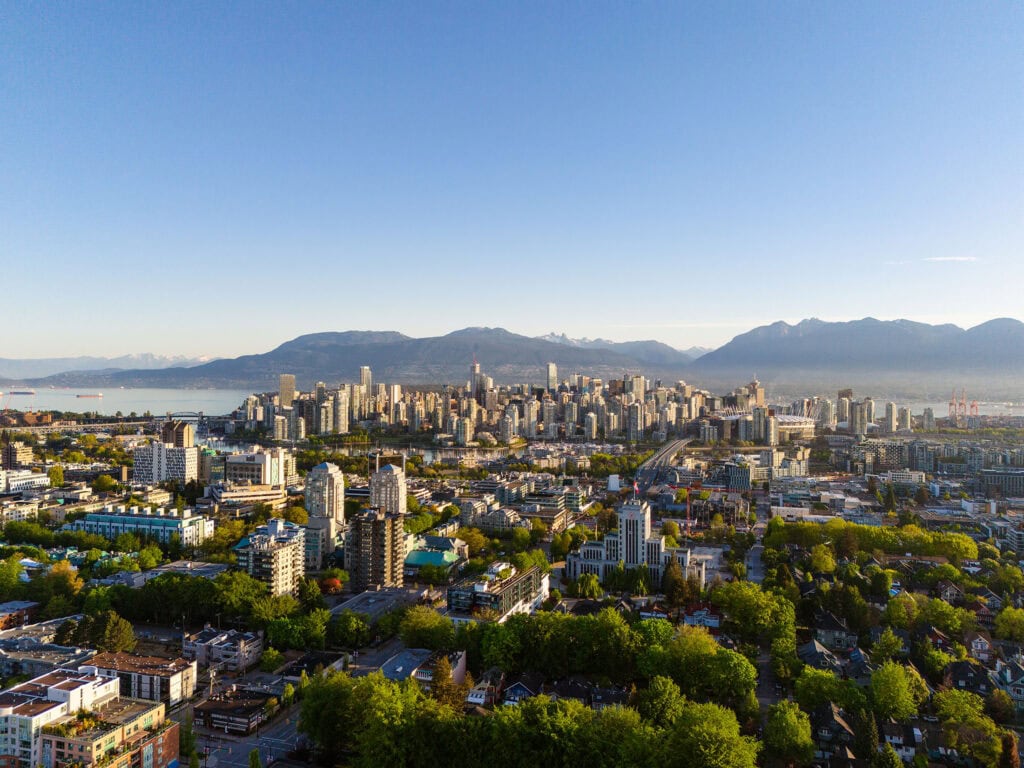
(520,539)
(901,611)
(891,692)
(297,515)
(588,587)
(149,557)
(1009,754)
(110,632)
(708,736)
(886,647)
(254,759)
(815,688)
(127,542)
(673,586)
(787,735)
(186,736)
(66,632)
(1010,624)
(890,498)
(423,627)
(887,758)
(965,726)
(537,530)
(56,475)
(865,734)
(444,689)
(310,596)
(271,660)
(561,543)
(999,706)
(475,540)
(661,702)
(288,694)
(104,484)
(10,577)
(822,559)
(266,609)
(349,630)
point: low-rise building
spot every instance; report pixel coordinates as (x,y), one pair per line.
(120,733)
(231,650)
(17,480)
(235,711)
(148,677)
(231,494)
(28,656)
(162,525)
(27,708)
(501,593)
(17,613)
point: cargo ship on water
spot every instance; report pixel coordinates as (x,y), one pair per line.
(97,394)
(22,392)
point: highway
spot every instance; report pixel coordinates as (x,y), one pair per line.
(647,473)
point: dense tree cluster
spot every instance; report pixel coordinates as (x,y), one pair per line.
(848,538)
(105,631)
(370,721)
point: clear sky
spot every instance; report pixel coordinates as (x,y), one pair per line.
(216,178)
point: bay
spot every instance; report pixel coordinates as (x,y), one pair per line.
(212,402)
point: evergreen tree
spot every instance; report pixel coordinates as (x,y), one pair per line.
(186,737)
(673,586)
(1010,756)
(865,734)
(887,758)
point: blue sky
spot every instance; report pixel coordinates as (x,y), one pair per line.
(217,178)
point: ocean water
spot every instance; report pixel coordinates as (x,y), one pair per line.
(212,402)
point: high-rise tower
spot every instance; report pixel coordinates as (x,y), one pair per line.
(388,490)
(286,389)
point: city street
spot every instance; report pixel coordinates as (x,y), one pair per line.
(755,567)
(273,741)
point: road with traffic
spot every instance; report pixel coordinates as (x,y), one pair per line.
(648,473)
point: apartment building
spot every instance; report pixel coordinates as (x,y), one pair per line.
(160,524)
(148,677)
(230,650)
(274,554)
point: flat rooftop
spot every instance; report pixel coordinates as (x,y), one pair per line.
(143,665)
(403,664)
(192,568)
(375,603)
(106,717)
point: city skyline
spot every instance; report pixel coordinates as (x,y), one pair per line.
(398,167)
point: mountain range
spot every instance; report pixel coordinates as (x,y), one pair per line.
(901,355)
(15,369)
(654,352)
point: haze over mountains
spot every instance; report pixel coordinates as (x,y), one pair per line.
(35,368)
(899,356)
